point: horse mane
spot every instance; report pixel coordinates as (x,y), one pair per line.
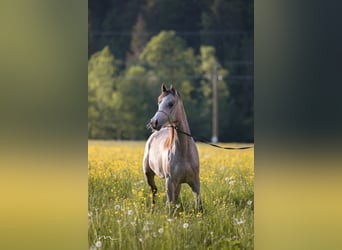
(169,139)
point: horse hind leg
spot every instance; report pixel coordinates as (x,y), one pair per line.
(195,186)
(179,206)
(177,191)
(172,191)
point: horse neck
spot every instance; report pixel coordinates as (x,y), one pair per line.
(183,125)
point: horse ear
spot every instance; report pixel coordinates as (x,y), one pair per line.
(163,88)
(173,90)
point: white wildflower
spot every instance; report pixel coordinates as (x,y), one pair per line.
(98,244)
(130,212)
(238,222)
(161,230)
(230,180)
(249,202)
(185,225)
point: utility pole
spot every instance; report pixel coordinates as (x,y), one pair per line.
(214,137)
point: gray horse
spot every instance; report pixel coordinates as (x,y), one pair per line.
(170,152)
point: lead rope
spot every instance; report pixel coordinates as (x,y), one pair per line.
(207,142)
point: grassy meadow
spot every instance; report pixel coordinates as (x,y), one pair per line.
(119,205)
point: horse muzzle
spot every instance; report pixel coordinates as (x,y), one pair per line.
(155,124)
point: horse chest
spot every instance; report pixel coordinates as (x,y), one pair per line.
(177,167)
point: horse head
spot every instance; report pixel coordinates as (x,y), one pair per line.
(167,104)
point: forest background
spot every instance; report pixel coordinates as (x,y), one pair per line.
(134,46)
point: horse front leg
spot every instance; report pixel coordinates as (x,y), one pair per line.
(171,191)
(150,180)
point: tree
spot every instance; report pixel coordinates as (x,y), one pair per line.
(176,57)
(101,104)
(134,111)
(167,56)
(112,22)
(168,52)
(232,22)
(139,39)
(181,16)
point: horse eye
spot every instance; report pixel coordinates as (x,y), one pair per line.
(170,104)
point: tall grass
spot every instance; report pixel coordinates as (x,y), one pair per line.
(120,214)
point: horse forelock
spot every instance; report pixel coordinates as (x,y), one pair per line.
(163,94)
(167,92)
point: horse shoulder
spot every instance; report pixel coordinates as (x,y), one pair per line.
(148,145)
(146,166)
(155,153)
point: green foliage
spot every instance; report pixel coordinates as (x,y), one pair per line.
(120,107)
(135,31)
(135,94)
(167,56)
(168,52)
(101,83)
